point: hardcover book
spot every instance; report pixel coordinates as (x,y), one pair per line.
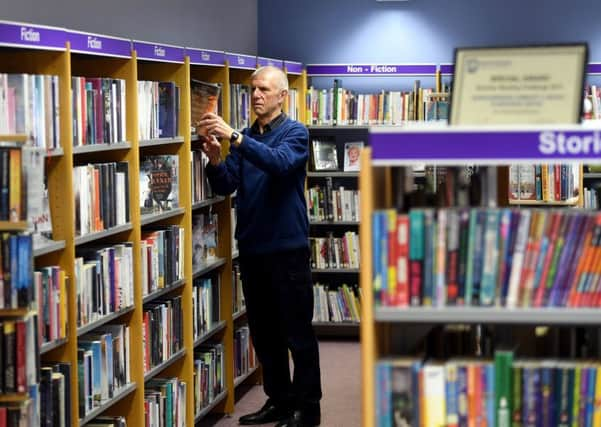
(158,183)
(325,156)
(204,99)
(352,150)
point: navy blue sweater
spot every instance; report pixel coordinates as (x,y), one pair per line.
(268,170)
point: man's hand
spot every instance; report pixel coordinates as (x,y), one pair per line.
(212,148)
(215,125)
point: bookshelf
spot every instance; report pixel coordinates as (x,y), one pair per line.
(69,54)
(381,323)
(333,216)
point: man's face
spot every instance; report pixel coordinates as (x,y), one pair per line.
(266,96)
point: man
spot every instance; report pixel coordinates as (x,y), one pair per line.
(266,165)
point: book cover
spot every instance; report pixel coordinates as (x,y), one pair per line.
(204,99)
(325,156)
(159,186)
(352,151)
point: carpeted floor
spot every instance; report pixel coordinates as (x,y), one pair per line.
(341,385)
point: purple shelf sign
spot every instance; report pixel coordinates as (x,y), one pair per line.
(244,62)
(16,34)
(159,52)
(293,67)
(206,57)
(485,145)
(371,70)
(447,69)
(263,62)
(594,68)
(96,44)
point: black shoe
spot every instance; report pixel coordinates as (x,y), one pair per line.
(300,419)
(267,414)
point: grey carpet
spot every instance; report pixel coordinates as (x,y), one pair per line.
(341,385)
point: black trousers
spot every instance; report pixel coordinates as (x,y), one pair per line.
(279,303)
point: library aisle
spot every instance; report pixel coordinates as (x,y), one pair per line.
(341,384)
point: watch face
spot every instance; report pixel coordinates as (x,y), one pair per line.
(234,136)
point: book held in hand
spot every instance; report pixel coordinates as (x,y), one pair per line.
(204,99)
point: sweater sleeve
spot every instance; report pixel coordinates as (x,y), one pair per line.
(225,177)
(290,152)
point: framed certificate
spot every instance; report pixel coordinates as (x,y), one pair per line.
(519,85)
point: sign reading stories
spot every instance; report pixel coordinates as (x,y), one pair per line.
(35,36)
(518,85)
(463,145)
(371,70)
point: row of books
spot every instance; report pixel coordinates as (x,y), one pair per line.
(50,285)
(339,106)
(159,183)
(162,257)
(324,203)
(335,252)
(158,109)
(162,325)
(204,238)
(244,353)
(240,96)
(209,375)
(205,304)
(555,182)
(101,196)
(19,358)
(103,358)
(502,257)
(16,270)
(55,395)
(19,413)
(29,105)
(13,201)
(340,304)
(590,198)
(201,189)
(500,392)
(99,110)
(165,402)
(104,281)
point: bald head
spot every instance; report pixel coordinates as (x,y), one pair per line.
(274,74)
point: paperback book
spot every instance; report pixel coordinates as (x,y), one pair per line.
(158,183)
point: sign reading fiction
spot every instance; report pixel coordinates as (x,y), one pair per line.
(518,85)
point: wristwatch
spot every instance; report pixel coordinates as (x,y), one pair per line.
(235,138)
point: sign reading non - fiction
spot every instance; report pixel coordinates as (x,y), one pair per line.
(245,62)
(159,52)
(27,35)
(98,44)
(371,70)
(485,145)
(518,85)
(206,57)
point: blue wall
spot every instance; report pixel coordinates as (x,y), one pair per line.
(422,31)
(210,24)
